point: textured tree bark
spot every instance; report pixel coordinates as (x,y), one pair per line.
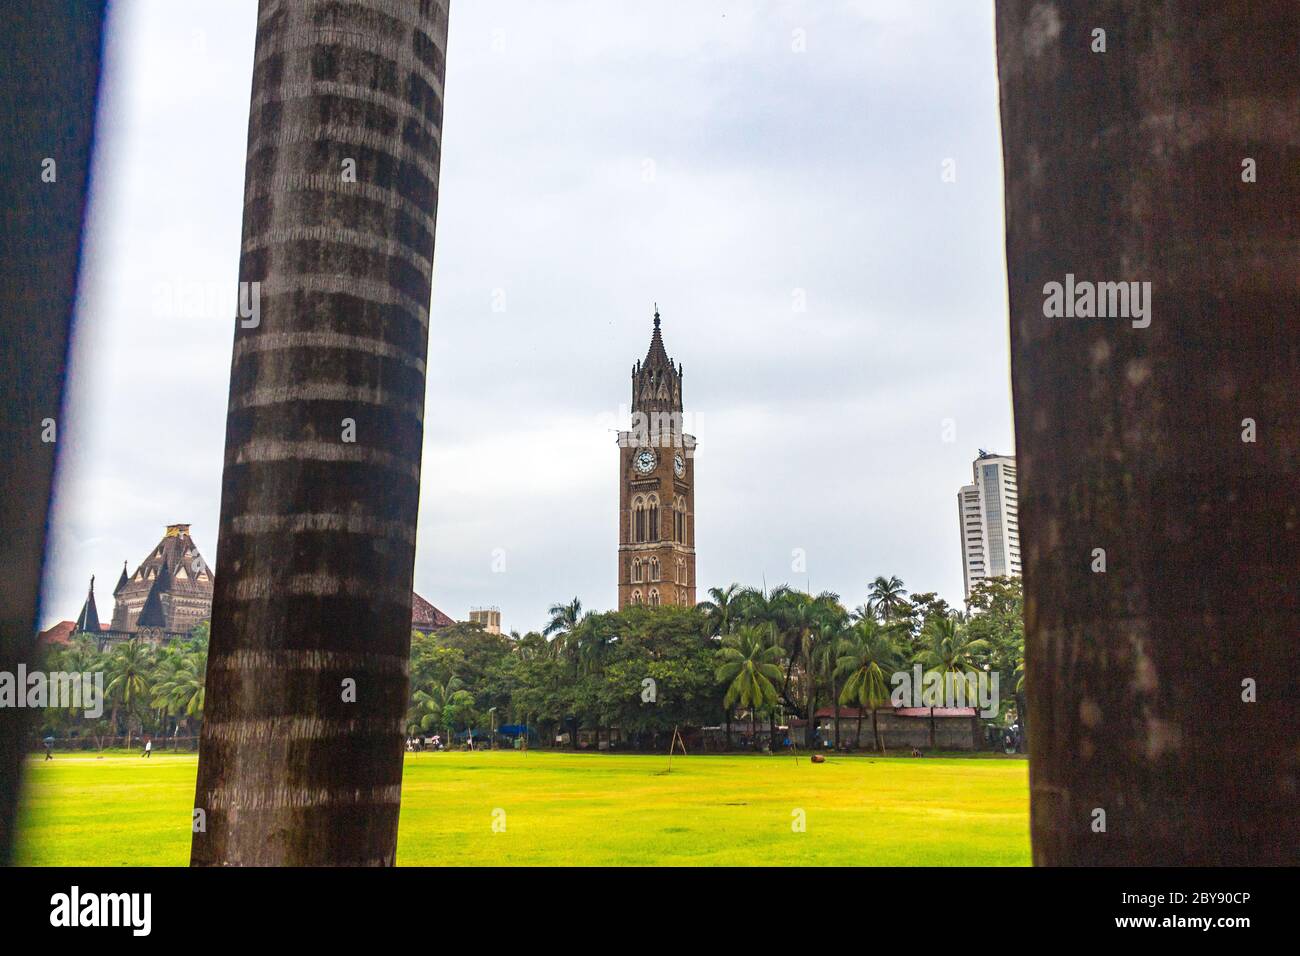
(50,54)
(323,436)
(1127,165)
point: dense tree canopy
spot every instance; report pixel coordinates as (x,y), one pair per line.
(745,654)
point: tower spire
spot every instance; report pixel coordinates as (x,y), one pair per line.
(88,619)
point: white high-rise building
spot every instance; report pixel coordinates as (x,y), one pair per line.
(990,523)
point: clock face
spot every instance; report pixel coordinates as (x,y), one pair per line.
(645,461)
(679,466)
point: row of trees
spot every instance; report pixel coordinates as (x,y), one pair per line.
(745,655)
(148,690)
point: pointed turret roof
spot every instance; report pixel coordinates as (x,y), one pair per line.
(121,582)
(657,355)
(656,382)
(153,614)
(88,619)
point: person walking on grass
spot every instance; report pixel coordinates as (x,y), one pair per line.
(49,748)
(148,747)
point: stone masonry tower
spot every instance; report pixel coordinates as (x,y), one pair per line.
(656,476)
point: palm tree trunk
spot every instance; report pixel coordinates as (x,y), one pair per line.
(1130,439)
(729,728)
(857,734)
(875,730)
(301,754)
(812,696)
(835,699)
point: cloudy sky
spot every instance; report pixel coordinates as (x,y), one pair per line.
(771,173)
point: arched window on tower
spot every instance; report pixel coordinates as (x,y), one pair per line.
(636,596)
(653,508)
(636,570)
(681,571)
(654,597)
(638,519)
(654,569)
(679,519)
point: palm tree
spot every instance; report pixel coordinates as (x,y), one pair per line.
(180,691)
(720,612)
(302,742)
(951,652)
(81,656)
(831,631)
(807,619)
(129,668)
(769,610)
(867,654)
(564,620)
(593,641)
(886,598)
(429,708)
(951,649)
(747,666)
(720,615)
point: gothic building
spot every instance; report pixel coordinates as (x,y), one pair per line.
(656,476)
(170,592)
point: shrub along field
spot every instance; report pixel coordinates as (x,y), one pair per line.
(545,808)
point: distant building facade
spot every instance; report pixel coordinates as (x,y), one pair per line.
(988,512)
(489,617)
(169,593)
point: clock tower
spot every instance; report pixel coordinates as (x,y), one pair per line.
(656,480)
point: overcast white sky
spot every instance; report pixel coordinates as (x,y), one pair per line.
(598,156)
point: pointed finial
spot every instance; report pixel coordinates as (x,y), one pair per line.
(656,316)
(92,584)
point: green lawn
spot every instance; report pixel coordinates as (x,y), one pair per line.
(574,809)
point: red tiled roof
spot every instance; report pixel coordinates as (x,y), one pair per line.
(426,617)
(60,633)
(852,712)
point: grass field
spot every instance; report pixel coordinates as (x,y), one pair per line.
(576,809)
